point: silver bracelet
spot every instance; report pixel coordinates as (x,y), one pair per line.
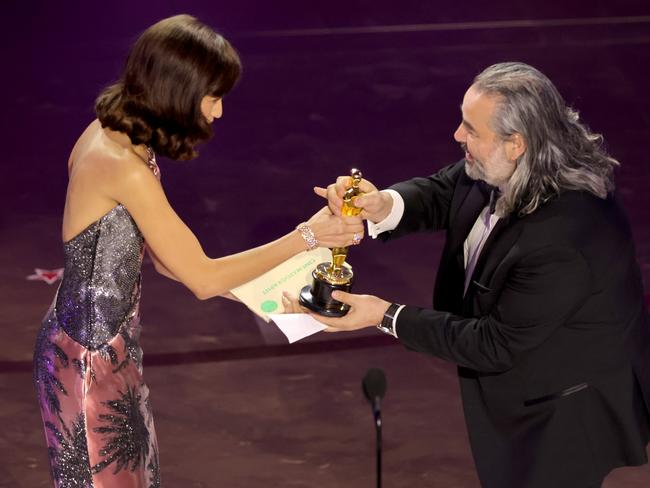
(308,235)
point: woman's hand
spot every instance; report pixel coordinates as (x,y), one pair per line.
(291,303)
(376,204)
(334,231)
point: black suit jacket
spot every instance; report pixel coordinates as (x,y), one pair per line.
(551,338)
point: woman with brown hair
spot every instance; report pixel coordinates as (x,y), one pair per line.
(87,361)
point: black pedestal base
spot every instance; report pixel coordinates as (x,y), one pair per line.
(318,298)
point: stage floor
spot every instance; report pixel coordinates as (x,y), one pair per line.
(324,89)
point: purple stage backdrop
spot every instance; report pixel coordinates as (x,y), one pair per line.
(326,86)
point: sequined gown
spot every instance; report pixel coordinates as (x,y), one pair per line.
(88,364)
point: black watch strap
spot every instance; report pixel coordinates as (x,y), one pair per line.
(387,323)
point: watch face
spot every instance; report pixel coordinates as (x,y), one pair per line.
(386,330)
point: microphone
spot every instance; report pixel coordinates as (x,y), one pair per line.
(374,389)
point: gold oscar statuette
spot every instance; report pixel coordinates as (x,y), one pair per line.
(334,275)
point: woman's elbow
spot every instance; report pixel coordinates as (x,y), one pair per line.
(204,291)
(162,270)
(203,285)
(200,292)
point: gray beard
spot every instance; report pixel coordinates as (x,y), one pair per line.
(474,171)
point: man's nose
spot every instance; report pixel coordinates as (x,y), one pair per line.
(460,134)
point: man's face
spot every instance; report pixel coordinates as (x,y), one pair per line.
(486,154)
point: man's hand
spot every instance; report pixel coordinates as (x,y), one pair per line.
(376,205)
(365,311)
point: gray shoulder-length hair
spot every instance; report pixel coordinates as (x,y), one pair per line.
(561,152)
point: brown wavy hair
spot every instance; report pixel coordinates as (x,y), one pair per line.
(170,68)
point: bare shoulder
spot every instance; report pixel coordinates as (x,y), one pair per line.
(125,173)
(104,172)
(111,164)
(82,142)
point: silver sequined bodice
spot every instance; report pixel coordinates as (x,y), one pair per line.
(101,282)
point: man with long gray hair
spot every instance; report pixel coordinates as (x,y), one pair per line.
(538,297)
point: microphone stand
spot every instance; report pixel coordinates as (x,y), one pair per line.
(374,389)
(376,410)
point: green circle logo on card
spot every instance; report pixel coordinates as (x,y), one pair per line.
(269,306)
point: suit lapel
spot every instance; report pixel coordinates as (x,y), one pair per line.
(466,205)
(502,238)
(464,215)
(463,187)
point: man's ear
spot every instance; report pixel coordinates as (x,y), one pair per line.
(516,146)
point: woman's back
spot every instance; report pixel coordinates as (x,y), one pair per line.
(102,261)
(87,360)
(101,278)
(100,159)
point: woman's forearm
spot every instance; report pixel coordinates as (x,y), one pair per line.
(223,274)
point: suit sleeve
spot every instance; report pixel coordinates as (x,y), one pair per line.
(540,294)
(427,201)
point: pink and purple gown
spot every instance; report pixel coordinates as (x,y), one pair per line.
(88,364)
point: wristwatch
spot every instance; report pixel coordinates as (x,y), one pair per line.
(387,325)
